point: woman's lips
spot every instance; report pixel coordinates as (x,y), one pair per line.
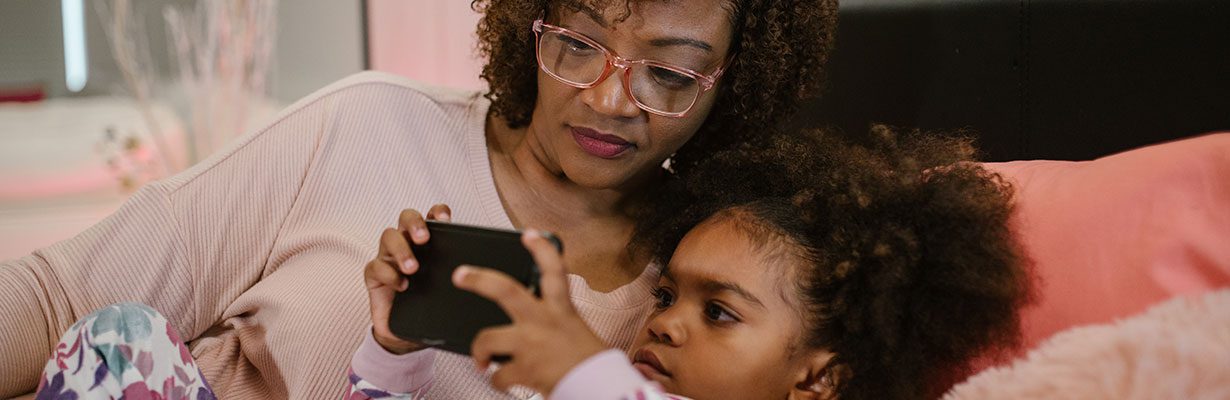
(648,365)
(599,144)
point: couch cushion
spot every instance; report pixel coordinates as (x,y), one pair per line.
(1110,237)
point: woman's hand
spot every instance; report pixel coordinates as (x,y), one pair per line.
(546,339)
(384,274)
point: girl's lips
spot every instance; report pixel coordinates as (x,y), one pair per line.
(648,364)
(599,144)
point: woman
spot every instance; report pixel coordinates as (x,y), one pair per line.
(253,255)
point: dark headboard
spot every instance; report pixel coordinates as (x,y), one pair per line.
(1068,79)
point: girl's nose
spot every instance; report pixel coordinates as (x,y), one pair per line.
(667,329)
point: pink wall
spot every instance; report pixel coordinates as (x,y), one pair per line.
(428,40)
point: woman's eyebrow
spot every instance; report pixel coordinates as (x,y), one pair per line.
(660,42)
(680,41)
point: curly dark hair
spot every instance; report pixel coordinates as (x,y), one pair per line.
(781,47)
(910,270)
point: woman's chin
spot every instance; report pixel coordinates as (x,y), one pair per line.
(602,174)
(592,181)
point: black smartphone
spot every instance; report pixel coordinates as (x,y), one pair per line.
(432,311)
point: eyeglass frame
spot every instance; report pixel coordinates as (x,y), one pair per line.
(614,60)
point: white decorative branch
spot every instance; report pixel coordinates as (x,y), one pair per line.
(221,55)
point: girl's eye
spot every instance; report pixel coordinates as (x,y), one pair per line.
(665,298)
(716,313)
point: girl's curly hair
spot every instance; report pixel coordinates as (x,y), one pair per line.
(909,268)
(781,47)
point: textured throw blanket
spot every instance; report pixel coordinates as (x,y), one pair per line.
(1179,349)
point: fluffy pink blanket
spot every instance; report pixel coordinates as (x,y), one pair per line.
(1179,349)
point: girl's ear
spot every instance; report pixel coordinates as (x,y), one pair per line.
(817,378)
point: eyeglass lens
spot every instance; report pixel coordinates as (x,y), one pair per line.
(576,62)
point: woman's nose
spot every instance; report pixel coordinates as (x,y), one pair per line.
(610,98)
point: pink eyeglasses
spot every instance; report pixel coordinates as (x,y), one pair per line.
(656,87)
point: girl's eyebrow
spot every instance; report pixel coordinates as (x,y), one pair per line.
(717,285)
(713,285)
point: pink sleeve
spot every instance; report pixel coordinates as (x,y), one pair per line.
(187,246)
(377,374)
(607,375)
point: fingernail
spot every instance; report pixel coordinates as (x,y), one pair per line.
(459,275)
(420,233)
(409,266)
(445,216)
(532,233)
(405,283)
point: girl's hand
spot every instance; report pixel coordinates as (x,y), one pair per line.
(546,339)
(384,274)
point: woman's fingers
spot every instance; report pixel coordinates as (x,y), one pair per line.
(554,278)
(413,223)
(440,212)
(514,298)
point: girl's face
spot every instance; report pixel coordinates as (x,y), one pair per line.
(727,323)
(599,138)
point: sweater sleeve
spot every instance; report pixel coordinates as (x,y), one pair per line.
(187,245)
(608,375)
(377,374)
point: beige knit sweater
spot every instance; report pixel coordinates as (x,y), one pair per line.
(256,254)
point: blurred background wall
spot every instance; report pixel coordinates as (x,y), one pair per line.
(431,41)
(318,41)
(69,158)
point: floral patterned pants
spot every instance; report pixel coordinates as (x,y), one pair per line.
(125,350)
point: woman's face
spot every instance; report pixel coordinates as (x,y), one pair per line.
(597,137)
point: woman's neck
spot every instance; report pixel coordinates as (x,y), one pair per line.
(595,223)
(526,171)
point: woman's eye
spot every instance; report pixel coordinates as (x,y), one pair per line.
(716,313)
(576,46)
(670,79)
(665,298)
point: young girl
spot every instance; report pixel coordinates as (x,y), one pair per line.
(805,268)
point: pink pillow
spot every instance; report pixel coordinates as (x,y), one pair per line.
(1110,237)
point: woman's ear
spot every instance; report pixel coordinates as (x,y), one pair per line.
(817,378)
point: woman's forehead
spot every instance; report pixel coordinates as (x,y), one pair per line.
(615,11)
(698,23)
